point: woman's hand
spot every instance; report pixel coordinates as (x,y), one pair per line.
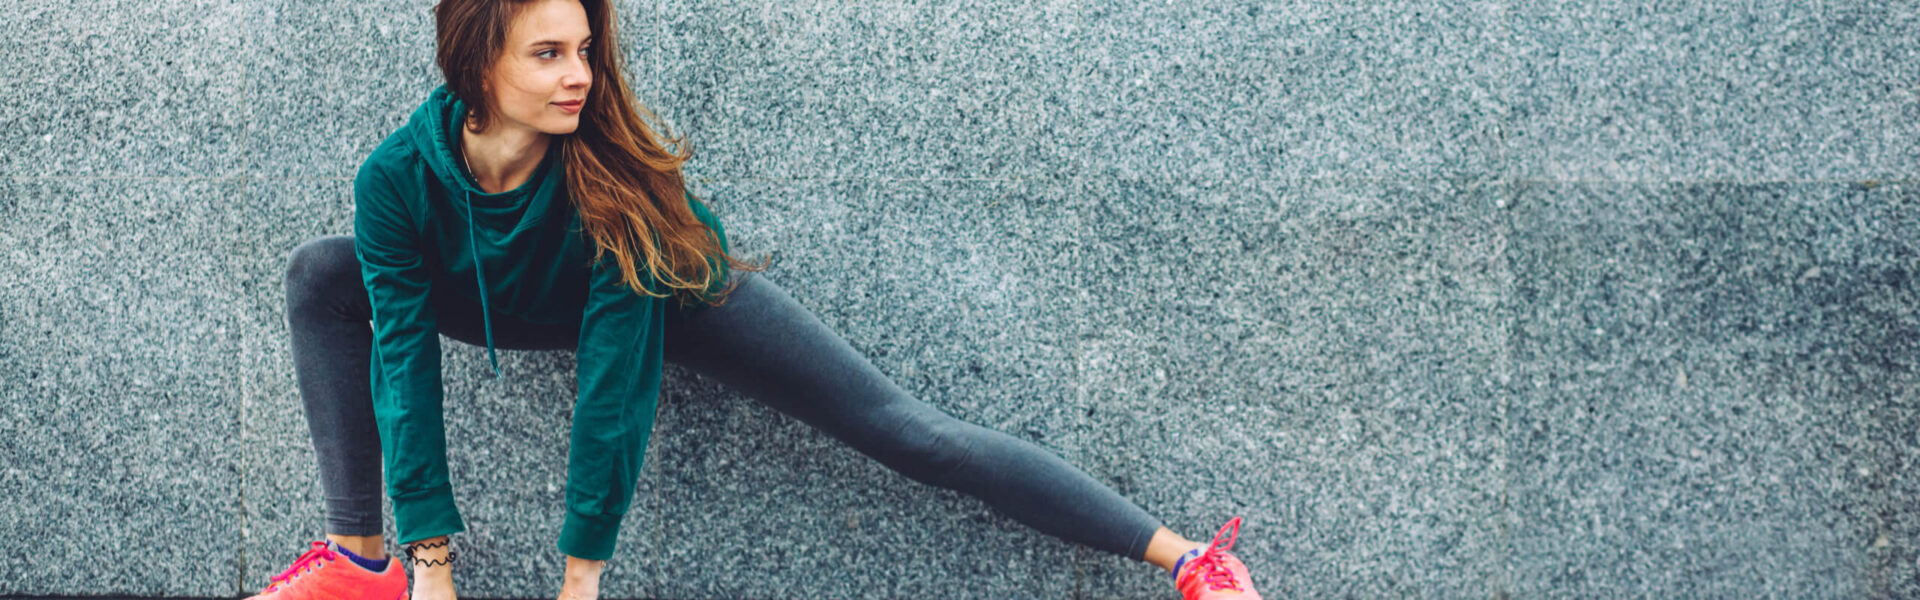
(433,588)
(582,580)
(435,581)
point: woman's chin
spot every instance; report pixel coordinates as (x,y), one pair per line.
(562,128)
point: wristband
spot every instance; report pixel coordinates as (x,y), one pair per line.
(427,562)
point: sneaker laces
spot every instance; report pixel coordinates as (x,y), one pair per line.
(1211,563)
(319,554)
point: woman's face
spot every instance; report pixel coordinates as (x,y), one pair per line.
(544,63)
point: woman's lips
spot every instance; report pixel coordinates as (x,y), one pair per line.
(570,107)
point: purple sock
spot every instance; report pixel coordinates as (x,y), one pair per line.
(368,563)
(1194,553)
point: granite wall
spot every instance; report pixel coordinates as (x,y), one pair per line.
(1490,299)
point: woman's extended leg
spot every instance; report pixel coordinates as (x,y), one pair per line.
(766,345)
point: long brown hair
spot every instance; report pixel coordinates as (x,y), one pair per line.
(627,187)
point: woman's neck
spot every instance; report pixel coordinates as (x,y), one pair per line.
(504,158)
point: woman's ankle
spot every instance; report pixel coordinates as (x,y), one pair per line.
(366,546)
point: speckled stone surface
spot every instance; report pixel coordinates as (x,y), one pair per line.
(880,90)
(1232,90)
(1714,390)
(1502,299)
(1319,358)
(118,331)
(123,88)
(328,81)
(1724,90)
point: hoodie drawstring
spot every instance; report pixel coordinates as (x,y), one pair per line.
(486,316)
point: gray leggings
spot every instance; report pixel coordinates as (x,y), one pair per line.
(760,343)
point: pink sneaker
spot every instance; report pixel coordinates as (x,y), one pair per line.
(325,574)
(1215,574)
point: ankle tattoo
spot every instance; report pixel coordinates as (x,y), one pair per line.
(410,548)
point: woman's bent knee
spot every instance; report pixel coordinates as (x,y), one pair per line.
(321,261)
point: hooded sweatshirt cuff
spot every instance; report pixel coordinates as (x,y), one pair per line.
(426,513)
(589,536)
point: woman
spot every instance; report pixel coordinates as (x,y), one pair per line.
(527,192)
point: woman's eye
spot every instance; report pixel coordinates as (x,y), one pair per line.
(544,53)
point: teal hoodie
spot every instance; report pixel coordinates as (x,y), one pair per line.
(422,225)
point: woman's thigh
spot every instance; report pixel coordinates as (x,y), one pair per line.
(766,345)
(761,340)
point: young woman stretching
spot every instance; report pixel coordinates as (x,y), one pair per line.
(527,192)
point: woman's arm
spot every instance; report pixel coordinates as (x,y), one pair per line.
(405,365)
(582,579)
(432,563)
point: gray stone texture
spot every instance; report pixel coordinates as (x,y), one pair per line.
(1498,299)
